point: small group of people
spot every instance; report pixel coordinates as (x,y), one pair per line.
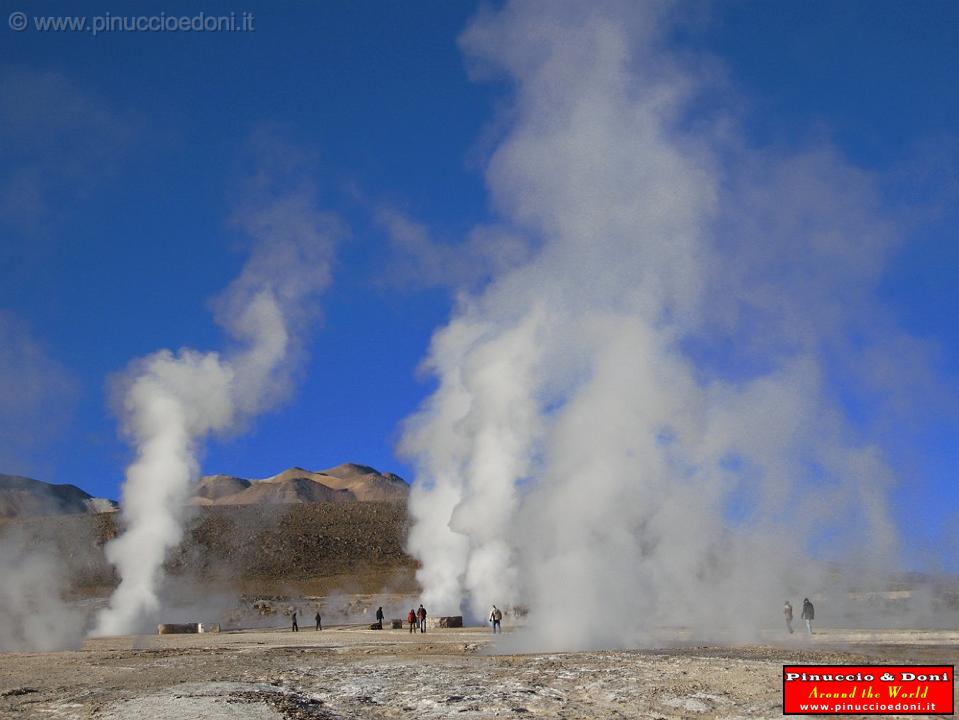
(319,622)
(417,619)
(808,615)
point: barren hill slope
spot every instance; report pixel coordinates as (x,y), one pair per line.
(26,497)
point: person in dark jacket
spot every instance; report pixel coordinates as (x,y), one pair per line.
(319,622)
(295,628)
(421,615)
(379,616)
(808,614)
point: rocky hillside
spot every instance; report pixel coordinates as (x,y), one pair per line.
(344,483)
(293,542)
(245,547)
(26,497)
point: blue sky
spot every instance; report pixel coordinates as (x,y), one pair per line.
(133,147)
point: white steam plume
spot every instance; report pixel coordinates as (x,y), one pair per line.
(172,401)
(639,426)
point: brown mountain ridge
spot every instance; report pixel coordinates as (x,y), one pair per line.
(22,497)
(348,482)
(25,497)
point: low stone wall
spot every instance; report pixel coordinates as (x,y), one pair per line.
(177,628)
(445,621)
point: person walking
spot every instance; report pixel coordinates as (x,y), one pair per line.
(788,613)
(379,616)
(411,619)
(808,614)
(421,615)
(319,622)
(295,627)
(496,617)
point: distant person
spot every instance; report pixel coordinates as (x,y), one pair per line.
(788,613)
(421,615)
(496,617)
(379,616)
(295,626)
(411,619)
(319,622)
(808,614)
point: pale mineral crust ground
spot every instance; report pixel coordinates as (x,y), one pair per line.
(346,672)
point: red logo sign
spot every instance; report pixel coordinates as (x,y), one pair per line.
(868,689)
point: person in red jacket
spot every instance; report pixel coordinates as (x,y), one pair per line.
(411,619)
(421,614)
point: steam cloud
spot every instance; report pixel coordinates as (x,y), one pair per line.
(646,423)
(36,616)
(172,401)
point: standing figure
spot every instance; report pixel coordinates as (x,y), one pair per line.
(788,613)
(808,614)
(495,617)
(295,627)
(379,616)
(411,619)
(421,614)
(319,622)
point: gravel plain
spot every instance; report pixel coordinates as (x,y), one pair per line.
(349,672)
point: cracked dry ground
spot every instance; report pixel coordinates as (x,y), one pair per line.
(352,673)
